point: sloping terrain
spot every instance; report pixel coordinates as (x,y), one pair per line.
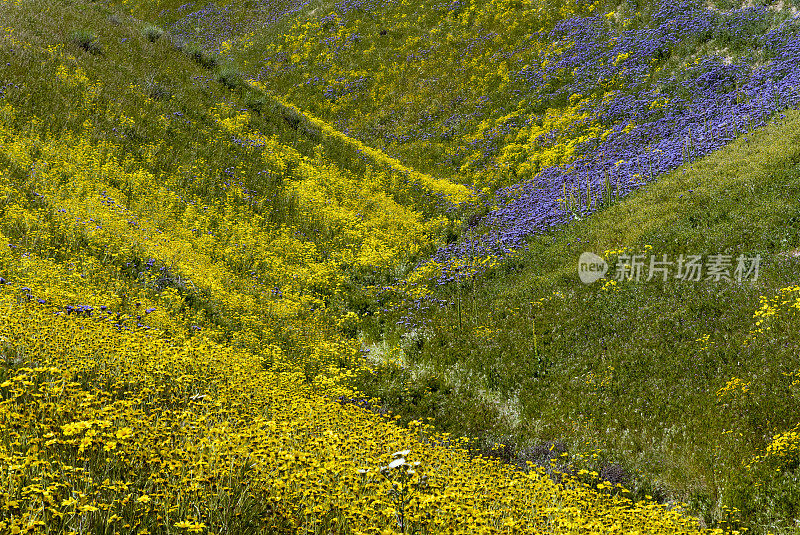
(283,267)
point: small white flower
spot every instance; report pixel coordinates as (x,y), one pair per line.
(396,463)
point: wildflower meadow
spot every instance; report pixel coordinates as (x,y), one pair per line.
(311,266)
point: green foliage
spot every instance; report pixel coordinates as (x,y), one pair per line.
(86,40)
(430,396)
(158,88)
(205,59)
(152,33)
(231,77)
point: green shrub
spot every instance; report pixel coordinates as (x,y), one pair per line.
(202,57)
(152,33)
(86,40)
(158,90)
(231,78)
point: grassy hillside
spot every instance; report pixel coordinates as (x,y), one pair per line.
(284,267)
(680,385)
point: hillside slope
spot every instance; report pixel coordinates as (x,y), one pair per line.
(212,213)
(178,286)
(599,96)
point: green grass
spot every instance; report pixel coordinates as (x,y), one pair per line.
(658,415)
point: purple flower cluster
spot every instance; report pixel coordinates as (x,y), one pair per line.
(340,87)
(344,7)
(706,105)
(211,25)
